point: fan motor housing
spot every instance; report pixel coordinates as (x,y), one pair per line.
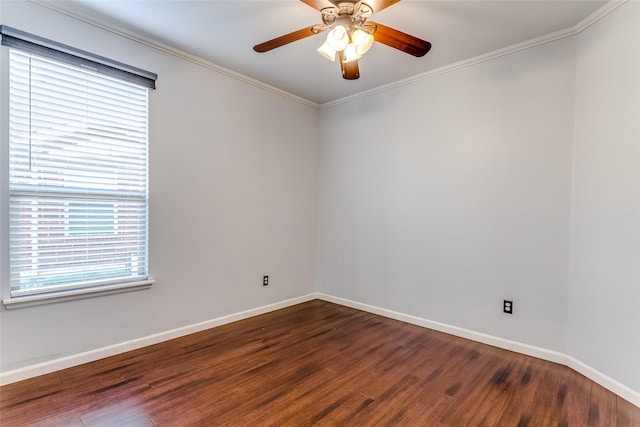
(346,13)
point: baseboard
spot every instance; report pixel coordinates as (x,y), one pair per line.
(518,347)
(605,381)
(609,383)
(27,372)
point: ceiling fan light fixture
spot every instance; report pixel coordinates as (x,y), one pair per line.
(351,53)
(326,51)
(362,40)
(338,38)
(349,34)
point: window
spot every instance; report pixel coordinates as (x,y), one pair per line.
(78,199)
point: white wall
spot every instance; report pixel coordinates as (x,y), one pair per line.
(604,286)
(441,198)
(233,178)
(437,199)
(514,178)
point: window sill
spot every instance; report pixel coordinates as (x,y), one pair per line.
(53,297)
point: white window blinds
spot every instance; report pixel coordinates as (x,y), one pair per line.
(78,177)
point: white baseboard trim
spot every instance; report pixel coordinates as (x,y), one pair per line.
(607,382)
(518,347)
(27,372)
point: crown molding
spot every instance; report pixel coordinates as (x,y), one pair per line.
(109,26)
(547,38)
(598,15)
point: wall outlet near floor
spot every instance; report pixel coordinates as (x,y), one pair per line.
(507,306)
(265,280)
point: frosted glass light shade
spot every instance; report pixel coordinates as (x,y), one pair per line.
(327,52)
(362,40)
(351,53)
(338,38)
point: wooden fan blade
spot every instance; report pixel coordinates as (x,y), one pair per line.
(282,40)
(378,5)
(318,4)
(350,70)
(401,41)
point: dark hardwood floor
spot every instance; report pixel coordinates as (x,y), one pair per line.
(315,363)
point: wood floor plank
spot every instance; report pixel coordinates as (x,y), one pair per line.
(550,398)
(469,395)
(627,414)
(574,411)
(441,382)
(602,408)
(315,363)
(498,391)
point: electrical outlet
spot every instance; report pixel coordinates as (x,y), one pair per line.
(265,280)
(507,307)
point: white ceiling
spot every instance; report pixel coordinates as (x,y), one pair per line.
(224,32)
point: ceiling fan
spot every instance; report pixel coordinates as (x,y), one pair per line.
(350,35)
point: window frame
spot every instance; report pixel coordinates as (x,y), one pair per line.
(61,294)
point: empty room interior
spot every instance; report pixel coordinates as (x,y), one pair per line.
(445,236)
